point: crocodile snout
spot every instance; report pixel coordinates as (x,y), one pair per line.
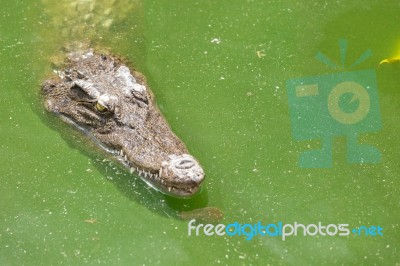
(183,172)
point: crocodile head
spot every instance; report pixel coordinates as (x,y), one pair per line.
(114,106)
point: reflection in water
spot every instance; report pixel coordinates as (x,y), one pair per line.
(207,214)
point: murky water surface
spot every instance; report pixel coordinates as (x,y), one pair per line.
(219,71)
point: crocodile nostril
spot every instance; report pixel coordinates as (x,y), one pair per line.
(185,164)
(182,170)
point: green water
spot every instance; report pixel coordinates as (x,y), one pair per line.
(218,70)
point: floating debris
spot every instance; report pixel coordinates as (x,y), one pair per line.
(390,60)
(91,221)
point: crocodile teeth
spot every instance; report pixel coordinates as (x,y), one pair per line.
(126,158)
(159,172)
(143,173)
(169,189)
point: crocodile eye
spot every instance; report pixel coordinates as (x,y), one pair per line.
(106,103)
(101,108)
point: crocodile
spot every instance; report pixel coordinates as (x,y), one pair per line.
(114,106)
(111,103)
